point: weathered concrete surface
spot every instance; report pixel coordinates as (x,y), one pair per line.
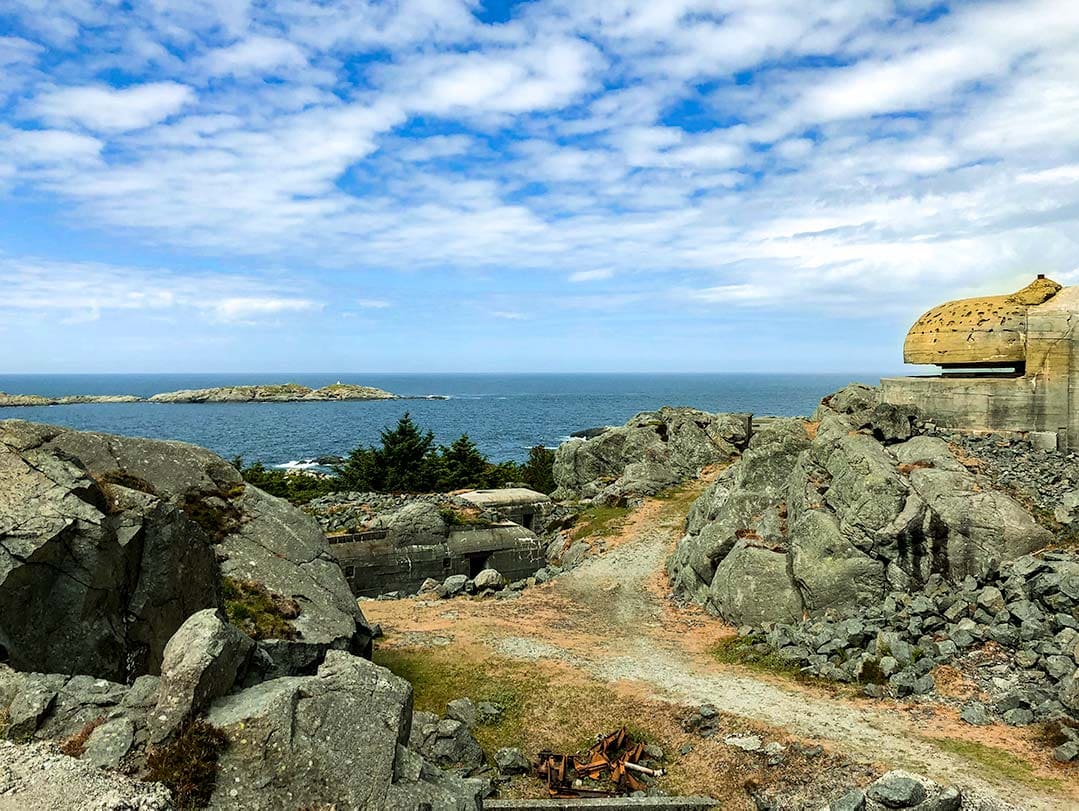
(990,329)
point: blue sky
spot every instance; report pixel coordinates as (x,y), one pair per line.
(563,185)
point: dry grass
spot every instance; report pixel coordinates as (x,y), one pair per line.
(75,745)
(548,705)
(187,765)
(951,682)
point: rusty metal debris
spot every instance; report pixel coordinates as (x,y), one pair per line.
(612,767)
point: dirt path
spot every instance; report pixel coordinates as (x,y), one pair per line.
(610,618)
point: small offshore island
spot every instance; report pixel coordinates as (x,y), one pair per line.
(279,393)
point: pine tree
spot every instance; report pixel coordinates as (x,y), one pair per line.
(462,465)
(404,458)
(538,471)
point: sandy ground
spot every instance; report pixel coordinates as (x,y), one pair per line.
(611,618)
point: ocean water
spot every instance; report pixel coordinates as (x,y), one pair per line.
(504,414)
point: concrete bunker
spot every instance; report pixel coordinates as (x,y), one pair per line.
(398,549)
(1007,364)
(517,504)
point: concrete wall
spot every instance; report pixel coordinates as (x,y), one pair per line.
(373,565)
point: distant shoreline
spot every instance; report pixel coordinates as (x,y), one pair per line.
(274,393)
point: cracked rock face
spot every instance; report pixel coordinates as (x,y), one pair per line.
(833,515)
(312,741)
(108,543)
(652,451)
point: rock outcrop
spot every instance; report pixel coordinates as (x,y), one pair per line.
(337,738)
(15,400)
(832,514)
(124,558)
(284,393)
(107,544)
(652,451)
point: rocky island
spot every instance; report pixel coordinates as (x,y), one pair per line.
(284,393)
(14,400)
(276,393)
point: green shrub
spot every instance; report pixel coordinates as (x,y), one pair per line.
(188,764)
(257,611)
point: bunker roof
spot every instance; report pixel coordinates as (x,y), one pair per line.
(505,497)
(989,330)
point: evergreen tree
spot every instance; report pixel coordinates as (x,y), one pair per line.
(538,471)
(462,465)
(403,461)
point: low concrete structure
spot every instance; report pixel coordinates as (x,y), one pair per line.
(517,504)
(373,565)
(1009,364)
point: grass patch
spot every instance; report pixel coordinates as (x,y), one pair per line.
(438,679)
(741,650)
(188,765)
(5,721)
(257,611)
(680,498)
(75,745)
(997,762)
(600,521)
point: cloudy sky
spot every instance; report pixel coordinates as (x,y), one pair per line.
(425,185)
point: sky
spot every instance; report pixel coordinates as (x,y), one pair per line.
(557,185)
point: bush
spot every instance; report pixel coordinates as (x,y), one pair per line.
(257,611)
(188,764)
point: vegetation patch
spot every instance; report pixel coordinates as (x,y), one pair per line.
(296,487)
(600,521)
(188,764)
(754,653)
(124,479)
(257,611)
(214,512)
(1053,732)
(5,721)
(548,706)
(998,762)
(462,517)
(75,745)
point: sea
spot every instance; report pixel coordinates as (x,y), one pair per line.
(504,414)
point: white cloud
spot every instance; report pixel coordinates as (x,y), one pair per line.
(518,80)
(85,291)
(255,55)
(107,109)
(372,303)
(509,315)
(249,308)
(591,275)
(609,136)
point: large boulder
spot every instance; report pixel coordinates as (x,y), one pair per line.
(752,586)
(203,661)
(649,453)
(336,738)
(108,543)
(96,572)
